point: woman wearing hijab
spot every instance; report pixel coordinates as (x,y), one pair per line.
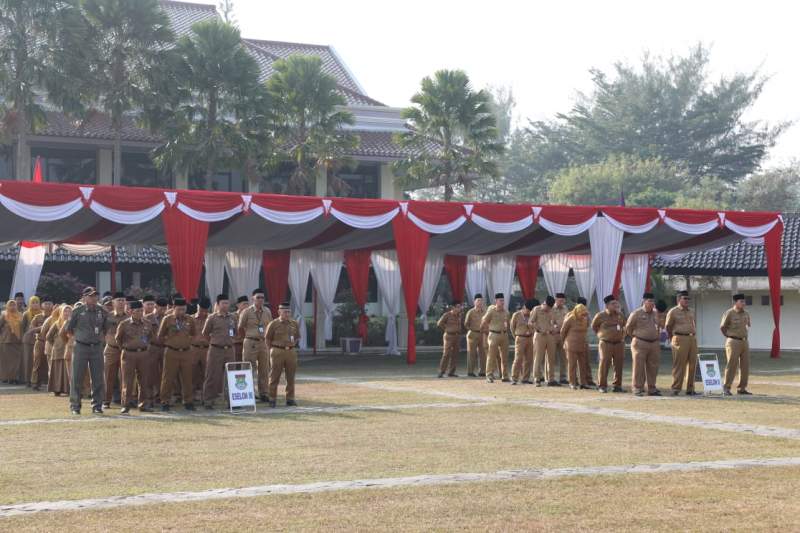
(41,352)
(58,383)
(574,330)
(10,343)
(29,339)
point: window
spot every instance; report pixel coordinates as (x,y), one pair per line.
(66,166)
(363,181)
(138,170)
(748,300)
(6,162)
(765,299)
(221,181)
(278,180)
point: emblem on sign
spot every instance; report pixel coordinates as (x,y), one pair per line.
(241,381)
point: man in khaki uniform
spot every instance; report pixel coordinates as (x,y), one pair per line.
(682,330)
(450,324)
(253,323)
(283,334)
(609,326)
(643,326)
(176,333)
(200,348)
(220,332)
(133,336)
(477,339)
(523,344)
(112,353)
(496,320)
(735,326)
(545,337)
(559,314)
(157,348)
(242,303)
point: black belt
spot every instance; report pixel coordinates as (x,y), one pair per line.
(736,338)
(228,347)
(253,339)
(200,345)
(645,340)
(179,349)
(611,342)
(112,346)
(451,333)
(684,334)
(135,349)
(498,332)
(282,347)
(475,331)
(528,335)
(87,343)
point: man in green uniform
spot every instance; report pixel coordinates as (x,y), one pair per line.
(87,325)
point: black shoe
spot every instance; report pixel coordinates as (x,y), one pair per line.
(490,379)
(676,392)
(441,375)
(125,410)
(553,383)
(482,375)
(452,375)
(527,382)
(97,410)
(744,392)
(505,380)
(264,398)
(514,382)
(654,393)
(188,406)
(585,387)
(76,412)
(145,409)
(272,404)
(604,390)
(727,392)
(165,408)
(617,389)
(591,383)
(106,405)
(564,381)
(640,393)
(471,374)
(573,387)
(692,393)
(36,388)
(291,403)
(538,383)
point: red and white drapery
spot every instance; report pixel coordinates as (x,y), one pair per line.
(188,221)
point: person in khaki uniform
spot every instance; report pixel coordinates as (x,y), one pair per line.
(35,329)
(573,331)
(134,335)
(477,339)
(450,324)
(112,353)
(283,334)
(523,344)
(35,306)
(242,303)
(559,315)
(176,333)
(587,365)
(643,326)
(220,332)
(545,338)
(156,348)
(682,330)
(253,328)
(735,326)
(200,347)
(496,320)
(609,326)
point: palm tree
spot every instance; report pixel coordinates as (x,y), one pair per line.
(217,115)
(127,39)
(38,42)
(310,123)
(452,134)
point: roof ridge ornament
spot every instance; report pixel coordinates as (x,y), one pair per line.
(537,210)
(404,208)
(247,199)
(171,197)
(326,205)
(468,208)
(721,219)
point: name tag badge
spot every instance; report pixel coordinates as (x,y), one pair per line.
(291,338)
(619,328)
(231,333)
(145,340)
(261,329)
(97,330)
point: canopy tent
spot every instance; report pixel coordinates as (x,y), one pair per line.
(189,222)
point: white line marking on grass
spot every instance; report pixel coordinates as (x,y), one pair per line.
(396,482)
(777,383)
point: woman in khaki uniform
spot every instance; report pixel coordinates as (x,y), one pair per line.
(573,331)
(58,383)
(10,343)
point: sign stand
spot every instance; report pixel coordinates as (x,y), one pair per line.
(241,395)
(710,374)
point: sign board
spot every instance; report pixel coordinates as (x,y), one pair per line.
(241,394)
(710,373)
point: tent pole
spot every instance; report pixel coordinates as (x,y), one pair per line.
(314,299)
(113,269)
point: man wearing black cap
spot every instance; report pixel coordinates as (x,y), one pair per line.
(176,333)
(559,315)
(682,330)
(283,334)
(735,326)
(200,347)
(545,338)
(496,320)
(450,324)
(643,326)
(133,336)
(253,323)
(220,332)
(87,325)
(523,344)
(477,340)
(242,303)
(609,326)
(19,297)
(112,352)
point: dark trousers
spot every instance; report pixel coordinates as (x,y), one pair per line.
(81,355)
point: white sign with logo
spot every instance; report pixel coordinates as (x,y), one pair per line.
(710,373)
(241,393)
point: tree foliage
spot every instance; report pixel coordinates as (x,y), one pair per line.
(777,189)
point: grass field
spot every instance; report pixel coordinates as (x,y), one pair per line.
(375,418)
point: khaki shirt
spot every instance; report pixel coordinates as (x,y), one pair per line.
(283,333)
(519,324)
(199,324)
(495,319)
(643,325)
(254,322)
(155,319)
(610,327)
(220,329)
(680,321)
(113,323)
(472,320)
(177,333)
(559,315)
(574,330)
(735,323)
(450,323)
(6,335)
(543,320)
(28,331)
(46,325)
(87,325)
(134,334)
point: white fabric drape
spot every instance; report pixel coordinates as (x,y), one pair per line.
(127,217)
(387,272)
(584,277)
(434,264)
(502,227)
(28,270)
(555,268)
(86,249)
(299,269)
(326,268)
(501,274)
(215,271)
(634,279)
(477,265)
(243,266)
(605,242)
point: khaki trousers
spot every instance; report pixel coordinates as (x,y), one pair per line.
(136,366)
(544,355)
(450,348)
(199,370)
(610,354)
(213,385)
(577,357)
(497,358)
(255,352)
(177,363)
(645,364)
(561,358)
(684,361)
(477,346)
(523,358)
(282,361)
(112,361)
(737,353)
(39,372)
(587,367)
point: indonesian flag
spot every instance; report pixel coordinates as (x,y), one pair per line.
(31,256)
(37,178)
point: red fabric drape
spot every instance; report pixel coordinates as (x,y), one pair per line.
(186,243)
(618,276)
(455,266)
(357,264)
(276,276)
(772,247)
(528,272)
(412,249)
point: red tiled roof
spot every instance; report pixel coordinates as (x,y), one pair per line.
(183,15)
(96,126)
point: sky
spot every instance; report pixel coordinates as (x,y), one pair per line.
(542,50)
